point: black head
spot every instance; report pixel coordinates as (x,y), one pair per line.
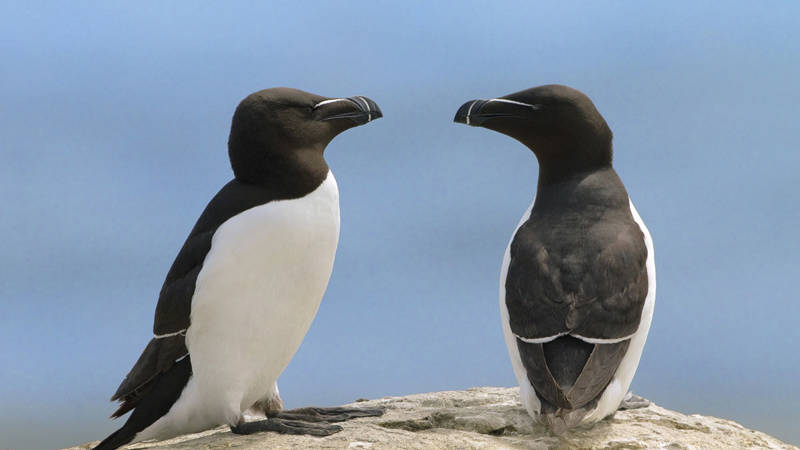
(560,124)
(282,132)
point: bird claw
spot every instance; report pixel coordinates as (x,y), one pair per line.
(633,401)
(286,427)
(335,414)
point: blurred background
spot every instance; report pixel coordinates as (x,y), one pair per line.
(114,121)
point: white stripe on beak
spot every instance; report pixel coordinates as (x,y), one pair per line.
(469,111)
(333,100)
(369,112)
(513,102)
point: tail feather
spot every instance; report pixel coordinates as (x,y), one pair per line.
(152,404)
(116,439)
(566,357)
(562,421)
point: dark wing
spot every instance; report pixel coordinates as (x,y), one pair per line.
(593,285)
(171,322)
(612,292)
(158,357)
(564,286)
(175,300)
(150,407)
(569,373)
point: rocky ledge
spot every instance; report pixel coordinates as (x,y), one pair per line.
(490,418)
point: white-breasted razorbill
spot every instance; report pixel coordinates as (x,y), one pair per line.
(248,281)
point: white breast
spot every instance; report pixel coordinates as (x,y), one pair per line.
(255,298)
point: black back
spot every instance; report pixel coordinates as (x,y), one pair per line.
(577,265)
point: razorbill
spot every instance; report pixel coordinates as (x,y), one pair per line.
(578,280)
(247,282)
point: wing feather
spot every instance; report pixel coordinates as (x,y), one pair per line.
(173,311)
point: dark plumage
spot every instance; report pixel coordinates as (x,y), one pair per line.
(578,281)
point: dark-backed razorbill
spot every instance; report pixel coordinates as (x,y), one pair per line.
(578,280)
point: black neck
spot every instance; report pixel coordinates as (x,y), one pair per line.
(570,159)
(560,171)
(600,187)
(287,175)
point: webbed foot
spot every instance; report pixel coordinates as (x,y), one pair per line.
(335,414)
(633,401)
(286,427)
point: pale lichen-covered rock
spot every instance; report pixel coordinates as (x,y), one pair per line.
(491,418)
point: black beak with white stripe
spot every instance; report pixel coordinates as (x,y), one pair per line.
(577,284)
(477,112)
(360,110)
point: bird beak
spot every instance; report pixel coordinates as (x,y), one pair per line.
(477,112)
(359,109)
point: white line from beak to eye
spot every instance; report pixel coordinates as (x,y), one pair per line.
(369,111)
(325,102)
(513,102)
(469,111)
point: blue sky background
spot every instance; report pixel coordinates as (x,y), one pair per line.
(113,127)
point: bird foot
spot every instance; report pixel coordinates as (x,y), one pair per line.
(336,414)
(563,420)
(286,427)
(633,401)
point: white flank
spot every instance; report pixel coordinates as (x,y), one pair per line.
(527,394)
(255,298)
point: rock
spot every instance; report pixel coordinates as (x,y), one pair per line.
(490,418)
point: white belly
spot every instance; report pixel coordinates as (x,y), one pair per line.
(612,396)
(255,298)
